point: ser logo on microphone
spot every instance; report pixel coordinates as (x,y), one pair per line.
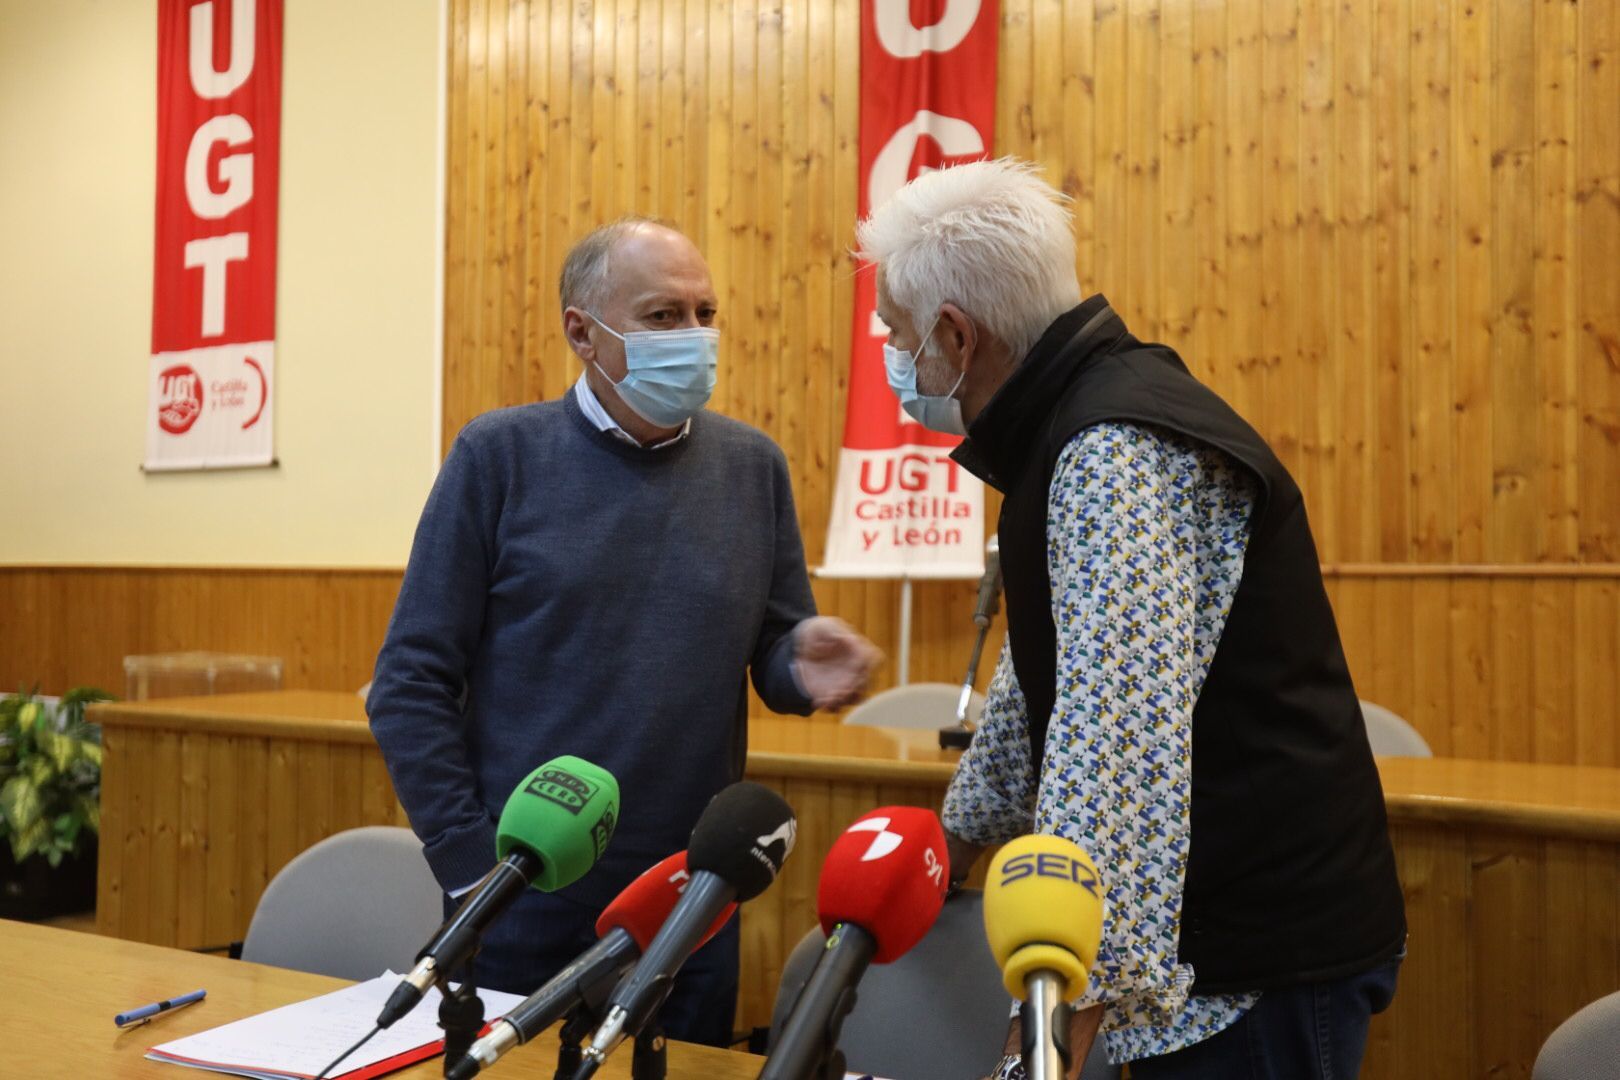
(567,790)
(1049,865)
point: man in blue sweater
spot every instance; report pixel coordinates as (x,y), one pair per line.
(600,575)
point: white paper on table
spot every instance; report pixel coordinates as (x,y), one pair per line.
(301,1039)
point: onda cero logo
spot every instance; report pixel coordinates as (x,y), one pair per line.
(180,399)
(564,788)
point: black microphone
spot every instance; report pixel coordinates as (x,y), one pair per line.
(958,736)
(989,601)
(553,829)
(738,847)
(626,928)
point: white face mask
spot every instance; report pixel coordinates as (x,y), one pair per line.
(936,412)
(669,374)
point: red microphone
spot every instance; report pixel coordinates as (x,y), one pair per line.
(881,889)
(647,901)
(623,931)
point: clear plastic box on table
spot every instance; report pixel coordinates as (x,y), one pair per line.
(188,674)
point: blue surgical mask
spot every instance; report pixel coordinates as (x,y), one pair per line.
(936,412)
(669,374)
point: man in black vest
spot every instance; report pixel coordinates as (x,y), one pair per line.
(1174,697)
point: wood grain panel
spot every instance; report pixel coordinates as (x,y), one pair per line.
(1386,231)
(1511,872)
(1498,665)
(1487,662)
(70,626)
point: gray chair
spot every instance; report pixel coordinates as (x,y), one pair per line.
(937,1013)
(352,906)
(915,705)
(1584,1047)
(1390,735)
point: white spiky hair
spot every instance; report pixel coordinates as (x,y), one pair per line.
(989,236)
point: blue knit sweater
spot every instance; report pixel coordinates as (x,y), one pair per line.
(571,593)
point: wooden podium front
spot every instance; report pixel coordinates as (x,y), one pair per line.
(1511,871)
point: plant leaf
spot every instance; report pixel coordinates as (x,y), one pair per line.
(40,770)
(25,842)
(20,804)
(88,808)
(91,752)
(60,749)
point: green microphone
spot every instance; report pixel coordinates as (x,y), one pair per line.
(553,829)
(563,814)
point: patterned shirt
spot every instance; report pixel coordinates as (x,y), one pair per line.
(1145,537)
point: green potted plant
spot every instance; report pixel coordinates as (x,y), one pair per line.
(50,804)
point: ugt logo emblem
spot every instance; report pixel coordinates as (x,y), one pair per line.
(563,788)
(180,399)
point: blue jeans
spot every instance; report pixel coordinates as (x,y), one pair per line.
(1313,1032)
(541,933)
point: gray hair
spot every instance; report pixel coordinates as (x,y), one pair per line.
(991,236)
(585,270)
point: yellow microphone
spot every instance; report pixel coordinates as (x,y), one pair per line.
(1043,911)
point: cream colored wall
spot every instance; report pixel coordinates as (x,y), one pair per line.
(357,301)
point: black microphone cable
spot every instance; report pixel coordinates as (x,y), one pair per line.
(339,1059)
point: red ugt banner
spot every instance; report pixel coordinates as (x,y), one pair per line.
(901,507)
(214,260)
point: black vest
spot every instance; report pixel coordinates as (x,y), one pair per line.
(1290,877)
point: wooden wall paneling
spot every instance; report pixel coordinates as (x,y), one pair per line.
(75,625)
(1555,26)
(1319,434)
(1143,125)
(1355,477)
(1552,699)
(164,825)
(1581,885)
(254,824)
(1508,942)
(1433,679)
(1471,721)
(137,848)
(191,841)
(1430,358)
(1239,374)
(281,812)
(311,808)
(1278,355)
(1513,343)
(1475,318)
(1512,670)
(222,850)
(1106,158)
(1597,213)
(1079,103)
(1391,311)
(117,792)
(1596,698)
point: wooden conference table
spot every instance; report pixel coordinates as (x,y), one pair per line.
(1511,871)
(63,989)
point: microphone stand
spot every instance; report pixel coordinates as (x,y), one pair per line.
(579,1024)
(958,736)
(649,1060)
(461,1015)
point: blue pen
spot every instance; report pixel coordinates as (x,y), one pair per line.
(146,1012)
